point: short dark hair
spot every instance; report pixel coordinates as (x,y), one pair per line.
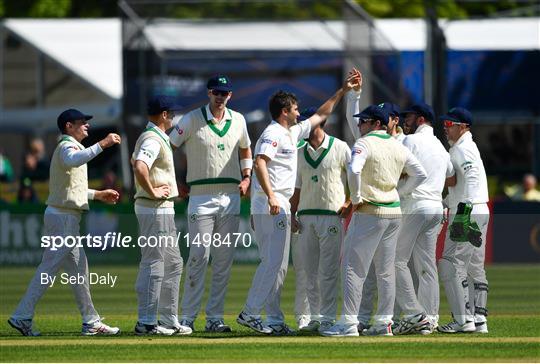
(279,101)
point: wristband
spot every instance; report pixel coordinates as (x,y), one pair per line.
(246,163)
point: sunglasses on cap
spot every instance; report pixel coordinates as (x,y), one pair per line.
(450,123)
(220,93)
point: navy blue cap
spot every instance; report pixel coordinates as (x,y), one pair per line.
(160,103)
(459,115)
(376,112)
(392,109)
(219,83)
(307,113)
(70,115)
(421,109)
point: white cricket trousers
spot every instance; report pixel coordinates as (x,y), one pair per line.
(418,241)
(160,268)
(218,217)
(467,262)
(301,303)
(320,246)
(60,222)
(272,233)
(369,238)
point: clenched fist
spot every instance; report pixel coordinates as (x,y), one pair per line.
(110,140)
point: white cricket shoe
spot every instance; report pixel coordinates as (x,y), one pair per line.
(302,321)
(25,327)
(481,327)
(253,322)
(312,326)
(412,324)
(98,328)
(143,329)
(340,330)
(454,327)
(179,329)
(379,330)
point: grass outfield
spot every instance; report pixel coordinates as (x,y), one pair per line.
(514,324)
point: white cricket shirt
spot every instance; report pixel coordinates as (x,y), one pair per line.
(431,154)
(279,145)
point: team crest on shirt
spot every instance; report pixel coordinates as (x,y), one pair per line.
(356,151)
(180,131)
(315,178)
(193,217)
(333,230)
(281,224)
(221,146)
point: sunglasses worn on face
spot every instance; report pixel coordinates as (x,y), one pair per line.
(450,123)
(362,121)
(220,93)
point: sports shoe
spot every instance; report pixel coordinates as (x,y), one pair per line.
(312,326)
(339,330)
(216,326)
(253,322)
(302,321)
(481,327)
(361,326)
(25,327)
(410,325)
(187,323)
(178,329)
(454,327)
(378,330)
(98,328)
(143,329)
(325,325)
(281,330)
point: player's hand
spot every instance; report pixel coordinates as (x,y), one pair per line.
(358,79)
(108,196)
(296,227)
(345,210)
(110,140)
(349,82)
(161,191)
(244,186)
(274,205)
(183,191)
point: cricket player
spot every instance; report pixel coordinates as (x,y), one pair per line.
(68,198)
(422,215)
(275,170)
(465,244)
(215,138)
(160,268)
(320,200)
(369,291)
(378,160)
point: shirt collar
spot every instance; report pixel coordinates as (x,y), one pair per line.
(71,139)
(210,116)
(324,144)
(466,136)
(156,128)
(281,126)
(424,129)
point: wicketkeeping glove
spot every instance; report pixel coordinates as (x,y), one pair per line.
(463,229)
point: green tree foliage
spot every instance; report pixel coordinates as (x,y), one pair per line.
(270,10)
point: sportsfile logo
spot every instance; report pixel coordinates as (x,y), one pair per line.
(118,240)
